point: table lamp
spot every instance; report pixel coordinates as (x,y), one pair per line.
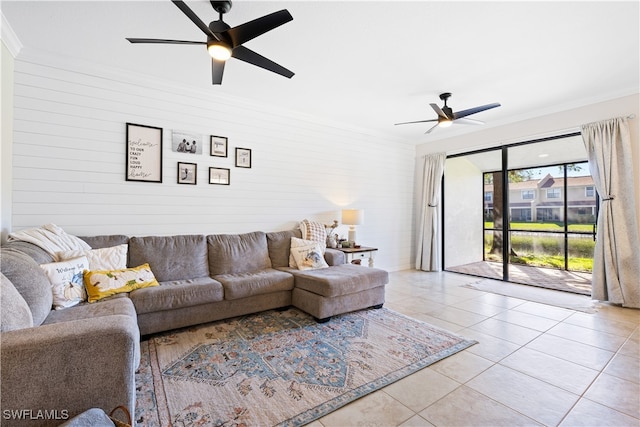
(352,217)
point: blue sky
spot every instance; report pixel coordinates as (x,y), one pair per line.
(555,171)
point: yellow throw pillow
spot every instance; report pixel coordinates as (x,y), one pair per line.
(103,283)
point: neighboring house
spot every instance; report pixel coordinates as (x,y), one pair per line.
(544,199)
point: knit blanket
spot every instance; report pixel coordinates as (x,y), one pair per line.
(51,238)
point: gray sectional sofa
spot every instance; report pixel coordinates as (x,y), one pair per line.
(67,361)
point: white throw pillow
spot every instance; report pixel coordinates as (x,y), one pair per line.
(112,258)
(307,254)
(67,281)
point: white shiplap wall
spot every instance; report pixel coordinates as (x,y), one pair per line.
(69,163)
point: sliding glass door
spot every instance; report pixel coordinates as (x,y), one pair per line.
(538,214)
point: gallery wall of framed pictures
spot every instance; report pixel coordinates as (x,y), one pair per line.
(144,155)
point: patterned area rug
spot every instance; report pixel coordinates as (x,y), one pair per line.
(280,367)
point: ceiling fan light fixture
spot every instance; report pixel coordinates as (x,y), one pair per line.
(219,50)
(445,123)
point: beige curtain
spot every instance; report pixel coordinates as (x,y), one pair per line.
(428,253)
(616,263)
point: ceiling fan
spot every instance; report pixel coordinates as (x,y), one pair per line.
(224,42)
(446,116)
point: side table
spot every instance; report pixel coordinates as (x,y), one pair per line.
(356,255)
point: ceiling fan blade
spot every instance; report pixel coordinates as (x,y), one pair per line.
(419,121)
(429,131)
(252,29)
(247,55)
(194,18)
(217,69)
(438,111)
(133,40)
(474,110)
(469,121)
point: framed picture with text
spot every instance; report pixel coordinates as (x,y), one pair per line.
(219,146)
(219,176)
(187,173)
(144,153)
(243,157)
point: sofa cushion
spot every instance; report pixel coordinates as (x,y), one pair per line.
(177,294)
(334,257)
(340,279)
(171,257)
(238,253)
(105,241)
(30,280)
(242,285)
(118,304)
(279,244)
(14,313)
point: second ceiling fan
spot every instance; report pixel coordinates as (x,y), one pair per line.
(446,116)
(224,42)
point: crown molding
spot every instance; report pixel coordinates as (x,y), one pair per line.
(9,38)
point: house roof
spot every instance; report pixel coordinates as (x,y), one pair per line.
(362,63)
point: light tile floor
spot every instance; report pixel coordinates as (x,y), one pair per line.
(535,364)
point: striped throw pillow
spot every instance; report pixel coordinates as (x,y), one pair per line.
(312,230)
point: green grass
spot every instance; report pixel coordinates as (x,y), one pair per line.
(547,251)
(575,264)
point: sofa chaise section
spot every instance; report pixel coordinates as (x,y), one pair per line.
(327,292)
(339,289)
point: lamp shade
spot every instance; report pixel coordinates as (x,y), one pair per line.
(352,216)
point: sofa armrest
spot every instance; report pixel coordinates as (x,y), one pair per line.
(334,257)
(60,370)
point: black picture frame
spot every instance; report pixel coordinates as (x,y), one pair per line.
(243,157)
(187,173)
(219,146)
(143,153)
(219,176)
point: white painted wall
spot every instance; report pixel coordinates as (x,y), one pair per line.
(463,212)
(68,162)
(6,141)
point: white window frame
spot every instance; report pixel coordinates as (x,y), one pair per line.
(590,189)
(532,192)
(554,191)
